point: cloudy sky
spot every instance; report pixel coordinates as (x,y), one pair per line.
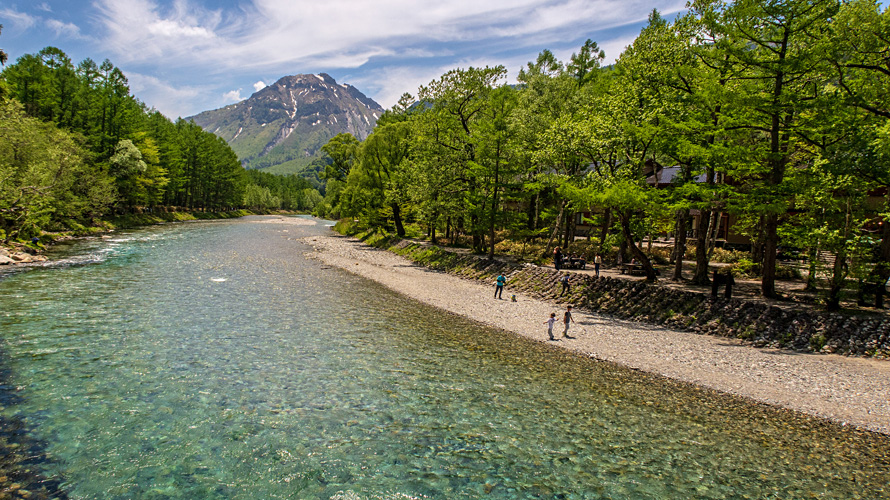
(187,56)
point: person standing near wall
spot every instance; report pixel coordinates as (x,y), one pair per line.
(499,286)
(564,280)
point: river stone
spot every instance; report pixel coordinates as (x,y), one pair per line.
(21,257)
(4,260)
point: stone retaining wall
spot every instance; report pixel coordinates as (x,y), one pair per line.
(756,322)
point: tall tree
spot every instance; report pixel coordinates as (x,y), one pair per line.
(858,49)
(775,44)
(43,177)
(448,137)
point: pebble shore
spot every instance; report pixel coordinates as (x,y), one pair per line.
(846,390)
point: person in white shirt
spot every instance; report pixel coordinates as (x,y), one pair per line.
(549,324)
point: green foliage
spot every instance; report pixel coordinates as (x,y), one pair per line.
(817,342)
(771,113)
(730,256)
(342,150)
(43,175)
(125,157)
(289,192)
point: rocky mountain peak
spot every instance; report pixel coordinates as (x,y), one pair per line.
(283,126)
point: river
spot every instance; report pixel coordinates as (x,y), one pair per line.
(213,360)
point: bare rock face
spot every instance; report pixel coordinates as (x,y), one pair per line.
(283,126)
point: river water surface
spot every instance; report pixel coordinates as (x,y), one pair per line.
(213,360)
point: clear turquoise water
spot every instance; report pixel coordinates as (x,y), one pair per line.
(213,360)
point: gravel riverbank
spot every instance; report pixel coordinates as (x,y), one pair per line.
(853,391)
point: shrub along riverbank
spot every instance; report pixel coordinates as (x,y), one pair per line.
(760,323)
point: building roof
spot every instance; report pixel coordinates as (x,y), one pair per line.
(666,175)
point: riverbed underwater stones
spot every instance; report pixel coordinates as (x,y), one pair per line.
(312,383)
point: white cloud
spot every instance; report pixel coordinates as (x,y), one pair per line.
(395,45)
(173,29)
(274,34)
(233,96)
(180,37)
(172,101)
(67,30)
(44,7)
(386,85)
(21,21)
(260,85)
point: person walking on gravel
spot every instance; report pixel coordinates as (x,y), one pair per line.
(567,318)
(550,322)
(499,286)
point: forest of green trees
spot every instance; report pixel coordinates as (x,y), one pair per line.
(76,146)
(777,112)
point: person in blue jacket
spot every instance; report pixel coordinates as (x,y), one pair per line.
(499,286)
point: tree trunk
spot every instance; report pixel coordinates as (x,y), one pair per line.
(714,231)
(701,249)
(813,258)
(679,245)
(493,214)
(477,235)
(838,277)
(757,246)
(770,249)
(563,231)
(882,263)
(555,230)
(638,254)
(622,248)
(607,223)
(397,219)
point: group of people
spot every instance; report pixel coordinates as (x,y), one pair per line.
(567,319)
(559,258)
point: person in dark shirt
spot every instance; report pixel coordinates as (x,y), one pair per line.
(567,318)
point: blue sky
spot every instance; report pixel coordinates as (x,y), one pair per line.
(186,56)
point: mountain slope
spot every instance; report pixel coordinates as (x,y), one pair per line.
(282,127)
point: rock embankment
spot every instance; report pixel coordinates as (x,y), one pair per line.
(761,324)
(14,256)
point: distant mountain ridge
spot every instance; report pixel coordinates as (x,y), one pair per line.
(282,127)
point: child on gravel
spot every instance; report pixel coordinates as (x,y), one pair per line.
(549,324)
(567,318)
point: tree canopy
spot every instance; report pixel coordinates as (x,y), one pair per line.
(128,157)
(773,114)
